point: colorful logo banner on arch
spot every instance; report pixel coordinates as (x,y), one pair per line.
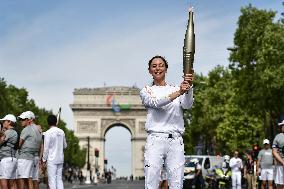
(116,107)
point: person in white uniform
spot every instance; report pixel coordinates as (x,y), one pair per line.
(53,153)
(278,153)
(165,125)
(236,165)
(8,161)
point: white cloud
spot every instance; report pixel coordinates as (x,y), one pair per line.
(52,74)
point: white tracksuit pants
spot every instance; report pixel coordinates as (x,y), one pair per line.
(236,180)
(160,148)
(54,172)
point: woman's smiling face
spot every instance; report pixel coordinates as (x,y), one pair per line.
(158,69)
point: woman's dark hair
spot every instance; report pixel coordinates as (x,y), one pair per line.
(51,120)
(158,56)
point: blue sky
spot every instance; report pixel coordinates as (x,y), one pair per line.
(118,150)
(51,47)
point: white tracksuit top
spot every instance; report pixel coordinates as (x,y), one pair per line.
(54,145)
(164,115)
(236,164)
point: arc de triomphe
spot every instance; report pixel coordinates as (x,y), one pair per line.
(96,110)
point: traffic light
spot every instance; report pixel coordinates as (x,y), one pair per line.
(105,160)
(97,152)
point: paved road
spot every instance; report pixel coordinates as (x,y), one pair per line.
(113,185)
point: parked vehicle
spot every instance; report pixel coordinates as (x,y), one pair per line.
(208,165)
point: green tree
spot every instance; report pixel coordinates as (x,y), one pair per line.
(257,65)
(15,100)
(210,94)
(235,106)
(192,131)
(238,129)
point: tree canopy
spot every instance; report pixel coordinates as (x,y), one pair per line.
(239,105)
(15,100)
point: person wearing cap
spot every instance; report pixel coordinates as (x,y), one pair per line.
(29,147)
(265,165)
(8,161)
(278,153)
(225,165)
(236,167)
(226,161)
(53,153)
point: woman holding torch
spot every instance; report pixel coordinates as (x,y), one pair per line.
(165,125)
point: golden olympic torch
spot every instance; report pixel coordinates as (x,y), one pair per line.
(58,116)
(189,45)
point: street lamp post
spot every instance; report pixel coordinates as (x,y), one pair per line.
(88,180)
(88,161)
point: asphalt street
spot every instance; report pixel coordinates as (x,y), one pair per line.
(114,185)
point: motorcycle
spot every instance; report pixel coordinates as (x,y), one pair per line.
(211,181)
(189,172)
(191,180)
(223,178)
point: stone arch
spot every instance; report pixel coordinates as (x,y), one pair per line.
(94,116)
(127,124)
